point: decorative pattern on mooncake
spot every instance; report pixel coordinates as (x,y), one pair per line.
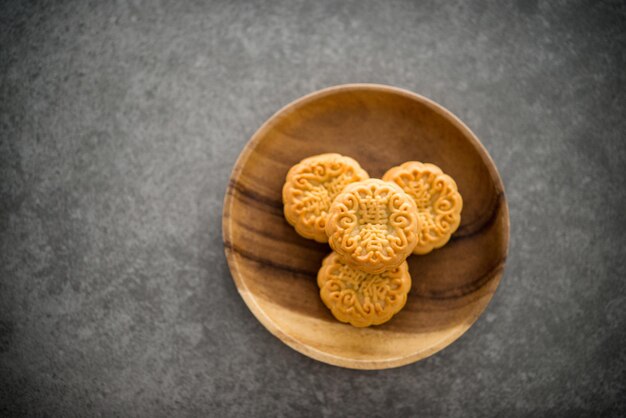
(437,198)
(311,187)
(359,298)
(373,225)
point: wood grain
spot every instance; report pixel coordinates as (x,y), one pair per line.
(275,269)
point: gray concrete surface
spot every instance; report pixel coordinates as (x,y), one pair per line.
(120,123)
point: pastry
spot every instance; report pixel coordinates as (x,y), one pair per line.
(310,188)
(359,298)
(373,225)
(437,198)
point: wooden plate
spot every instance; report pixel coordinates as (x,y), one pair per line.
(275,269)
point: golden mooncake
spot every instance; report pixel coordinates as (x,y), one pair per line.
(437,198)
(359,298)
(373,225)
(310,188)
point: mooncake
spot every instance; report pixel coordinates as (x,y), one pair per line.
(373,225)
(310,188)
(437,198)
(359,298)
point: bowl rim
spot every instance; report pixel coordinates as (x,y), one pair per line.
(259,313)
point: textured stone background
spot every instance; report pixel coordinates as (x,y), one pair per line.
(120,123)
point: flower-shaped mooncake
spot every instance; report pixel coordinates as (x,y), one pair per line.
(437,198)
(311,187)
(373,225)
(360,298)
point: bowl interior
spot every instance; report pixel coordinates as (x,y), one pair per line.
(275,269)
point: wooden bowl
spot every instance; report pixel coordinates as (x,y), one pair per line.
(275,269)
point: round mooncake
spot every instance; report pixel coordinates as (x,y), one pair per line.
(437,199)
(311,187)
(359,298)
(373,225)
